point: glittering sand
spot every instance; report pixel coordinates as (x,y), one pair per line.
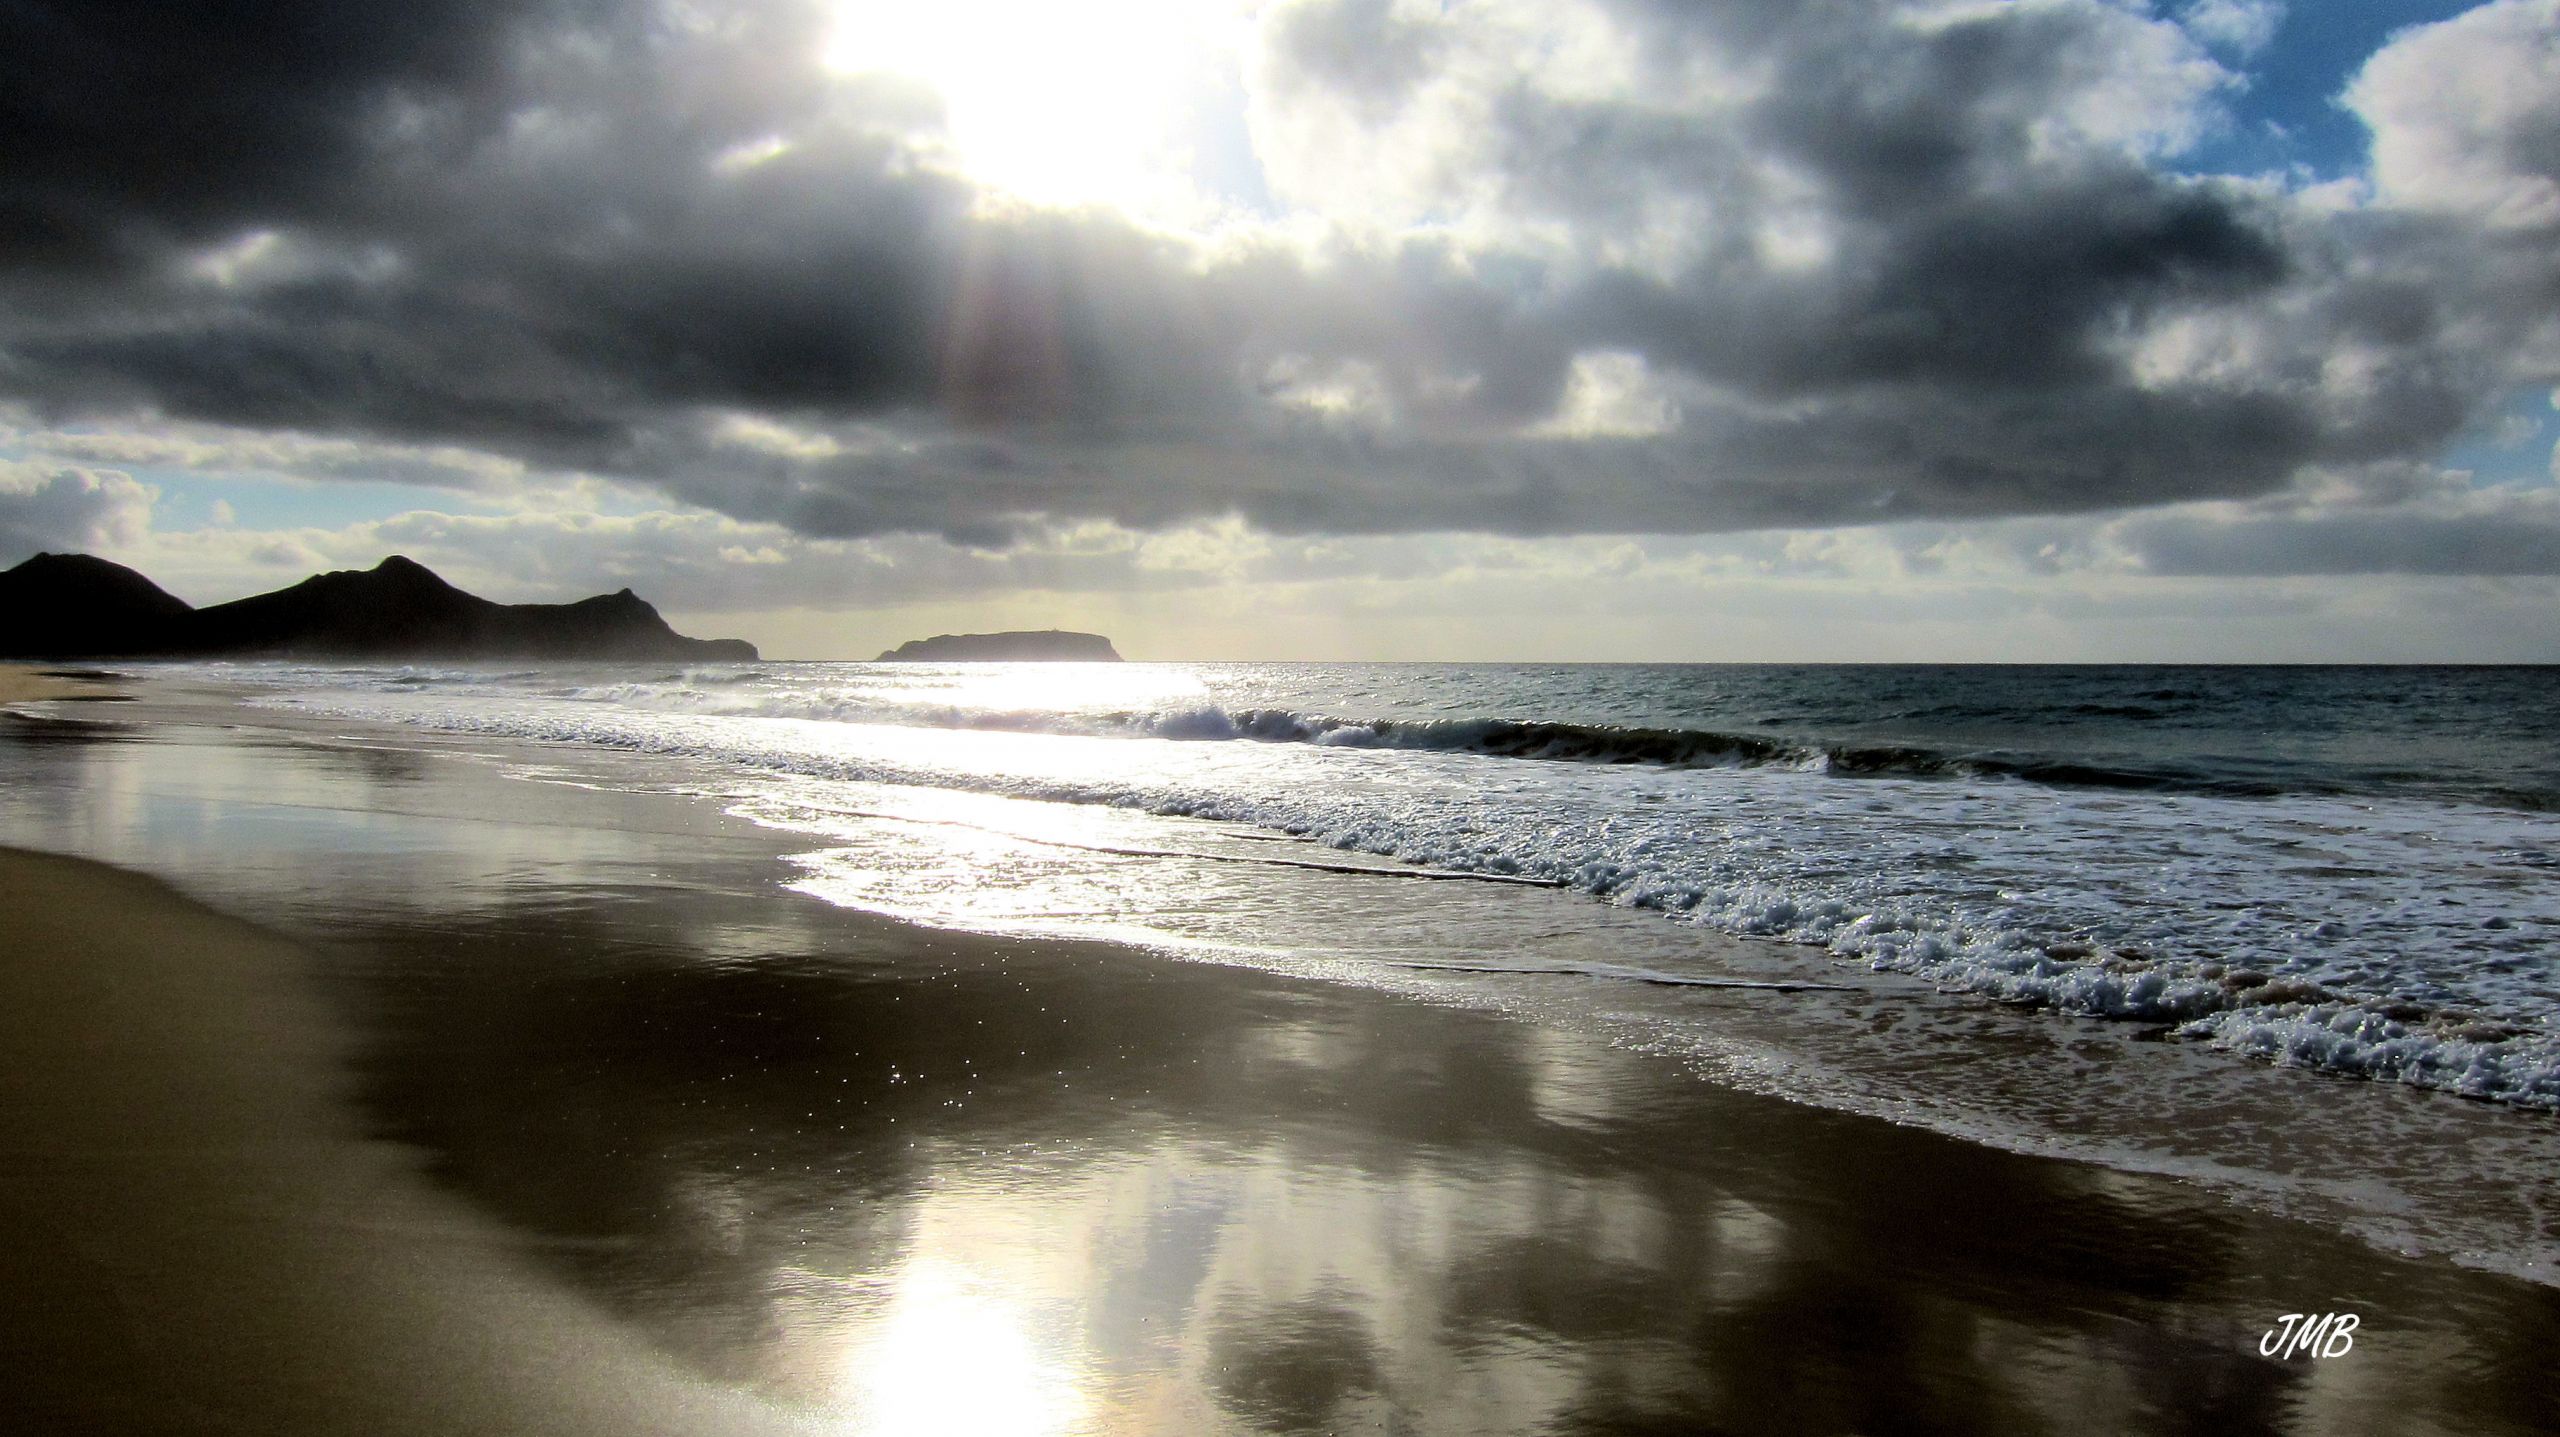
(524,1108)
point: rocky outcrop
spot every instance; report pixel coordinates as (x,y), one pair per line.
(1013,646)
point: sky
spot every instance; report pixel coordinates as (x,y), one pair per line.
(1783,330)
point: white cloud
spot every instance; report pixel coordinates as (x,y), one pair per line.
(1611,394)
(2243,27)
(47,507)
(2466,115)
(767,436)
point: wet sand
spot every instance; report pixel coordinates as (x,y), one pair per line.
(22,683)
(523,1107)
(202,1239)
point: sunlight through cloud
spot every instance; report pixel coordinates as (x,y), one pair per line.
(1061,106)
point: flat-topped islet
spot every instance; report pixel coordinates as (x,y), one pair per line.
(1012,646)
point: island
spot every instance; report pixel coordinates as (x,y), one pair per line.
(1012,646)
(57,606)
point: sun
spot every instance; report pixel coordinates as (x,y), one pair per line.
(1093,103)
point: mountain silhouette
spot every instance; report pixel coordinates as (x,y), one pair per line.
(74,605)
(59,606)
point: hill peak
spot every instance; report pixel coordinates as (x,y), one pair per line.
(71,605)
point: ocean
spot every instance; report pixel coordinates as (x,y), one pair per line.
(2354,870)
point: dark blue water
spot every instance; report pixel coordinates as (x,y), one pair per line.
(2483,734)
(2473,734)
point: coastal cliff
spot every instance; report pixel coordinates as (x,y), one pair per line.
(79,606)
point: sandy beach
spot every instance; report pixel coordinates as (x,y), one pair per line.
(24,683)
(371,1089)
(206,1243)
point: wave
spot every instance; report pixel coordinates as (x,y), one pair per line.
(2125,761)
(1543,740)
(2267,970)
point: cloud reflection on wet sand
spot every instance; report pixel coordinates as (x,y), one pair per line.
(1074,1189)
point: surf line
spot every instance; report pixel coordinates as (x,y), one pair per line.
(1427,875)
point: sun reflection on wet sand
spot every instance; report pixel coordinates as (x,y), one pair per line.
(954,1355)
(1105,1196)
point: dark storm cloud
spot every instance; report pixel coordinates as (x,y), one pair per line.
(1996,291)
(580,232)
(495,222)
(130,125)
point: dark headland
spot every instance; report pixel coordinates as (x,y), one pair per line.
(1012,646)
(57,606)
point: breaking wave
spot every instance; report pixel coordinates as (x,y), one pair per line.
(1540,740)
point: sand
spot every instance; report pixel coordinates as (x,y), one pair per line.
(22,683)
(201,1241)
(521,1107)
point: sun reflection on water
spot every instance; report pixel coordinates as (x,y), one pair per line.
(1041,687)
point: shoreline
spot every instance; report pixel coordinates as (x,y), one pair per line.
(2410,1169)
(575,1053)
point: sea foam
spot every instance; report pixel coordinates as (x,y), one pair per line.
(2392,939)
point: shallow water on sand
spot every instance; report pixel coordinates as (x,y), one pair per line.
(1433,872)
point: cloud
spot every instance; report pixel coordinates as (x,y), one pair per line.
(44,508)
(2242,26)
(1618,266)
(267,454)
(133,129)
(2466,116)
(2514,534)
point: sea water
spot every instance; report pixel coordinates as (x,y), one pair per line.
(2349,869)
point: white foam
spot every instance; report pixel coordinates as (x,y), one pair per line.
(2143,906)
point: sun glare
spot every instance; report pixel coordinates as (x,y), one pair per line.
(1094,103)
(957,1360)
